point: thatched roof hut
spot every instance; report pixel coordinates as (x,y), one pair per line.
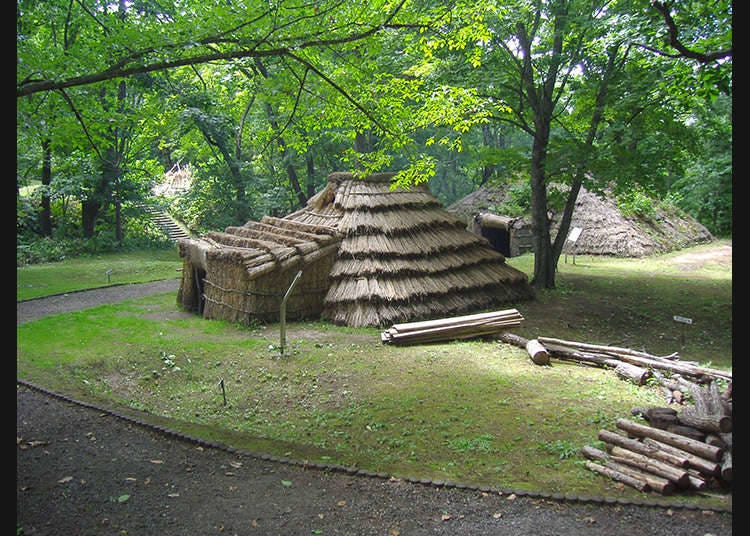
(374,255)
(604,228)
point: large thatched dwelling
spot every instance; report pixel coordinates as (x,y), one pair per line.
(604,230)
(369,255)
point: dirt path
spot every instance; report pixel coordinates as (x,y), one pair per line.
(75,301)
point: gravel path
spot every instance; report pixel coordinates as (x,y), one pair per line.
(87,471)
(75,301)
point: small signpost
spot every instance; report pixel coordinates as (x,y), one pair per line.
(572,238)
(684,321)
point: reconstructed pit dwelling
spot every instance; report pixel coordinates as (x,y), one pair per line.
(370,255)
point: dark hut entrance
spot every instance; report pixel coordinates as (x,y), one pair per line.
(191,293)
(496,229)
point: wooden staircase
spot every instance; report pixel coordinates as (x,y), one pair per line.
(174,230)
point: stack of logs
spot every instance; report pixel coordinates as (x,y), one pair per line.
(689,448)
(677,450)
(453,328)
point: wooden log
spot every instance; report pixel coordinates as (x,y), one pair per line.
(706,400)
(662,421)
(537,352)
(696,480)
(512,338)
(686,431)
(727,438)
(726,466)
(702,465)
(647,412)
(715,423)
(612,350)
(689,445)
(582,357)
(674,474)
(642,359)
(715,440)
(655,482)
(633,373)
(593,453)
(640,485)
(657,417)
(641,448)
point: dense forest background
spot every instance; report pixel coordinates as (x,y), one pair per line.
(261,100)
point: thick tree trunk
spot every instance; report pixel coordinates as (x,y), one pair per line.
(45,216)
(89,214)
(544,267)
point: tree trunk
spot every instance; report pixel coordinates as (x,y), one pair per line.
(89,214)
(310,174)
(45,216)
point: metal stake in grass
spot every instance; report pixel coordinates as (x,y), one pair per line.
(223,392)
(282,320)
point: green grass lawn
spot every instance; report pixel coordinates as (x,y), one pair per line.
(96,271)
(476,411)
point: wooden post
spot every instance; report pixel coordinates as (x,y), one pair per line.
(282,319)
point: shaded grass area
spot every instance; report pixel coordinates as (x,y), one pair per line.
(633,302)
(80,273)
(475,411)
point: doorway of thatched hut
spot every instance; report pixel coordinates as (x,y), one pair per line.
(197,303)
(496,229)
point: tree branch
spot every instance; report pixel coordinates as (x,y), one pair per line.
(118,69)
(340,90)
(674,40)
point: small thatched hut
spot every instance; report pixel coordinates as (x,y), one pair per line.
(604,229)
(370,256)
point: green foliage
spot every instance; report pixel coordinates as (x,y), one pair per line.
(266,105)
(517,202)
(636,203)
(482,443)
(563,449)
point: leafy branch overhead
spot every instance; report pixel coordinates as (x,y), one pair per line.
(158,41)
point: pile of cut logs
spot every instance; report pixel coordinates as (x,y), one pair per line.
(677,450)
(689,448)
(446,329)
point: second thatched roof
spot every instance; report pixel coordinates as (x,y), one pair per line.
(605,230)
